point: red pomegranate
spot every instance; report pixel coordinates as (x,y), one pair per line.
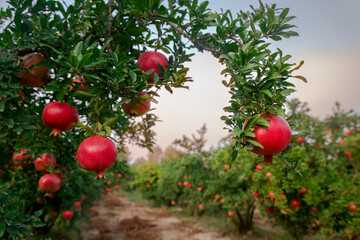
(135,108)
(83,85)
(150,60)
(20,157)
(274,139)
(58,116)
(49,183)
(96,154)
(36,76)
(68,214)
(44,161)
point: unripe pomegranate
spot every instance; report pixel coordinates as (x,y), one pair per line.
(49,183)
(83,85)
(150,60)
(59,116)
(136,108)
(36,76)
(68,214)
(43,162)
(96,154)
(226,166)
(274,139)
(19,157)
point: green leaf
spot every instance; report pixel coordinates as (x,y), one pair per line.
(107,130)
(286,92)
(78,48)
(84,60)
(2,228)
(301,77)
(2,106)
(256,144)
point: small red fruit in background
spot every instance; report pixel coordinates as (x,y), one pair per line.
(36,76)
(150,60)
(108,183)
(271,194)
(274,138)
(283,195)
(44,162)
(172,202)
(295,203)
(148,186)
(201,206)
(188,185)
(77,204)
(49,183)
(136,108)
(53,214)
(302,190)
(348,132)
(96,154)
(185,184)
(180,184)
(59,116)
(348,154)
(230,214)
(199,189)
(313,209)
(83,85)
(217,196)
(300,140)
(269,175)
(352,207)
(256,195)
(268,209)
(20,157)
(68,214)
(226,166)
(117,187)
(342,141)
(258,167)
(222,200)
(120,175)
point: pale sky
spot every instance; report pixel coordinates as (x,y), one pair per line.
(329,43)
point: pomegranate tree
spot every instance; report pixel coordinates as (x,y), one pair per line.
(49,183)
(149,61)
(136,108)
(44,162)
(96,154)
(36,76)
(59,116)
(274,139)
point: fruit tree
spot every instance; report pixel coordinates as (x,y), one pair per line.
(79,71)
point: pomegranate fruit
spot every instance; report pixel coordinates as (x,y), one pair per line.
(230,214)
(96,154)
(135,108)
(59,116)
(49,183)
(150,60)
(295,203)
(83,85)
(274,139)
(36,76)
(300,140)
(77,204)
(68,214)
(20,157)
(352,207)
(201,206)
(44,161)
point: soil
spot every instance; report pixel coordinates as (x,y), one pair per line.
(117,218)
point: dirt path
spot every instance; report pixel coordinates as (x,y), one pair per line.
(117,218)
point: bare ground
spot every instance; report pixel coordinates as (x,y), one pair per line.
(115,217)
